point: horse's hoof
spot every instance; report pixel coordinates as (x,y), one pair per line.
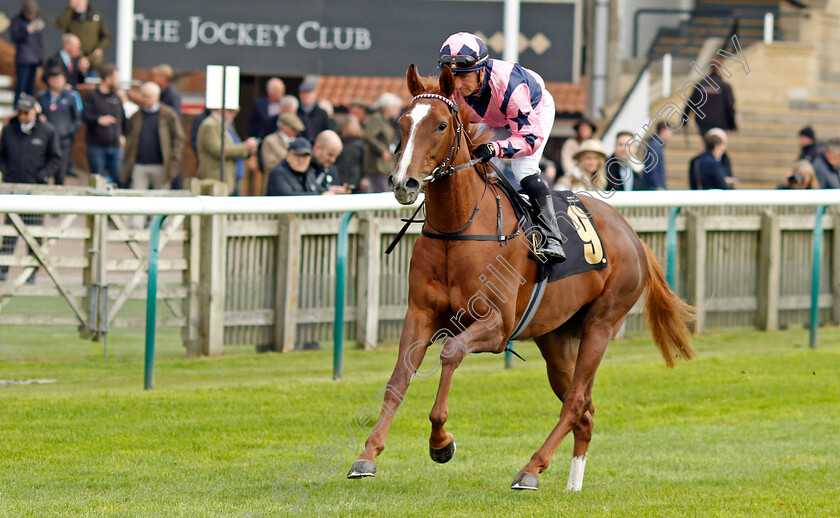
(443,455)
(362,468)
(525,480)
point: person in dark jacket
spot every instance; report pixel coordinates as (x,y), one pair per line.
(25,32)
(724,161)
(266,110)
(325,151)
(61,108)
(808,144)
(655,176)
(169,95)
(80,19)
(349,162)
(29,150)
(710,173)
(105,120)
(620,174)
(68,58)
(314,118)
(718,109)
(295,176)
(29,153)
(827,165)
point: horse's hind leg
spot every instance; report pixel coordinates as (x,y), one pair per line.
(559,349)
(577,399)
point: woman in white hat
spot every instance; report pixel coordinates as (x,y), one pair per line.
(590,158)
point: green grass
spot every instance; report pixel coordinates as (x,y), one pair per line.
(748,428)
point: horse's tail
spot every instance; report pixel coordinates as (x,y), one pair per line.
(667,315)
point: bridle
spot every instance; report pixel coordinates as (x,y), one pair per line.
(446,168)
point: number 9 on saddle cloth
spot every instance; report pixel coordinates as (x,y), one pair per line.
(581,240)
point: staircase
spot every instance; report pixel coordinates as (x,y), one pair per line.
(792,83)
(713,19)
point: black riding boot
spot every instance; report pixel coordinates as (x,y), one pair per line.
(552,246)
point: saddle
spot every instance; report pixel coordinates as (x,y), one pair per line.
(581,240)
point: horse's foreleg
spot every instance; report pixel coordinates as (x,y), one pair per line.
(478,337)
(414,341)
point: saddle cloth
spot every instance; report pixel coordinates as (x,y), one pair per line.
(581,241)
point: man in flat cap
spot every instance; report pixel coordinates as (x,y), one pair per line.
(274,146)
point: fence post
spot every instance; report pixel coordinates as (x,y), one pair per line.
(213,268)
(89,274)
(288,277)
(696,266)
(816,269)
(671,247)
(367,298)
(769,271)
(190,333)
(151,302)
(340,298)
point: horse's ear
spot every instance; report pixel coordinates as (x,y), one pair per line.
(447,82)
(415,85)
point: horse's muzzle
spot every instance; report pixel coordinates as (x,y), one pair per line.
(406,191)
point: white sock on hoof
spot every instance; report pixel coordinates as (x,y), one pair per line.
(576,474)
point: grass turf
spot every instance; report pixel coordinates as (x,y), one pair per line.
(748,428)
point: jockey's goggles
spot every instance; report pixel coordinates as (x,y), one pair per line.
(460,63)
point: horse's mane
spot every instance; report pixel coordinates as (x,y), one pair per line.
(477,134)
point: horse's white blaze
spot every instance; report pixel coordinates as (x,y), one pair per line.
(417,114)
(576,474)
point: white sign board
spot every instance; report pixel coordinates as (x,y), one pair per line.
(213,93)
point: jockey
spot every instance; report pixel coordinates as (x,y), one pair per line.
(512,98)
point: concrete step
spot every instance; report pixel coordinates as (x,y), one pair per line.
(746,175)
(720,31)
(828,89)
(6,112)
(800,117)
(7,97)
(6,81)
(677,49)
(816,103)
(782,160)
(785,129)
(741,143)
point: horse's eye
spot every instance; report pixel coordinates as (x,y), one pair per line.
(442,126)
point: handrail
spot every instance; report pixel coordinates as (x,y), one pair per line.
(214,206)
(798,5)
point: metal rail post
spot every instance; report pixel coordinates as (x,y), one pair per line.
(340,283)
(151,302)
(815,276)
(671,245)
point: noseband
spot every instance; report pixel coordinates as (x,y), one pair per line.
(446,168)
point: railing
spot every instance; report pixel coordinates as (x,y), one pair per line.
(263,270)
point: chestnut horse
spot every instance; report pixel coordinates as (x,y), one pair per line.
(572,326)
